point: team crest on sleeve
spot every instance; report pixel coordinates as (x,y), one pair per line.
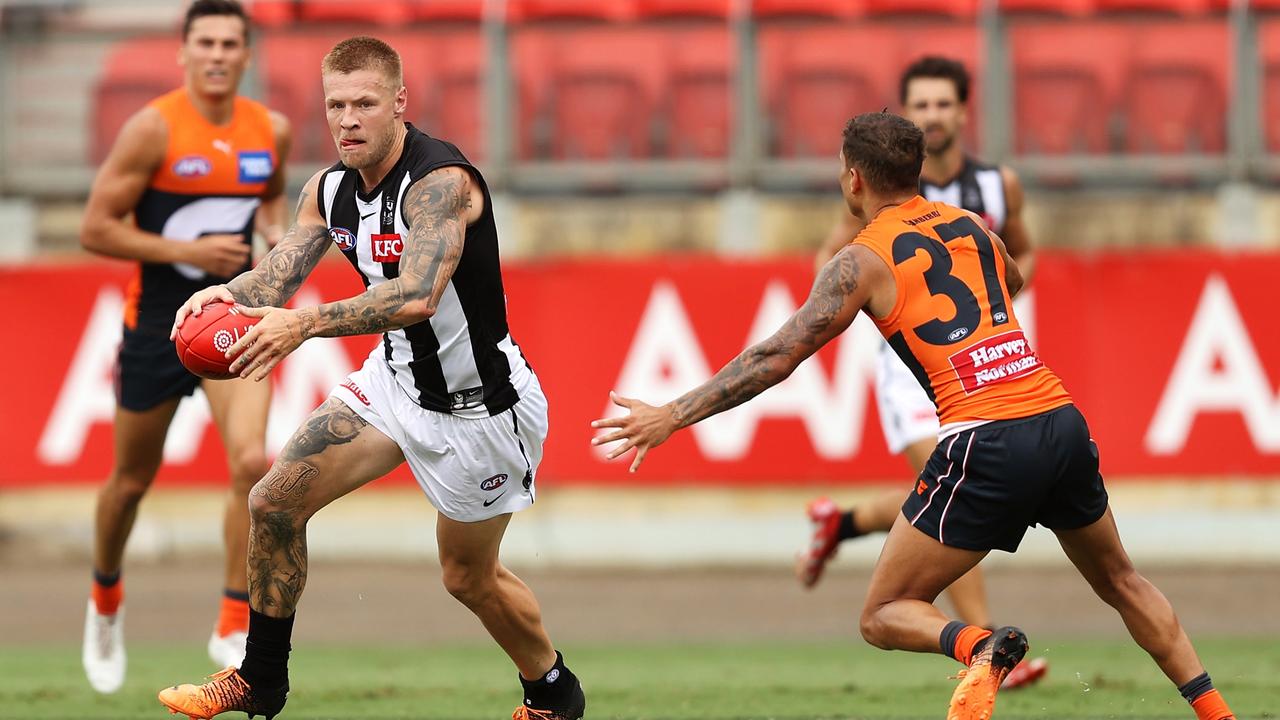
(255,166)
(192,166)
(343,238)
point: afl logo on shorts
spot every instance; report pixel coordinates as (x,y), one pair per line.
(192,166)
(343,238)
(494,482)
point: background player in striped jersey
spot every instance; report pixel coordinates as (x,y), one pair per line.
(447,391)
(1016,452)
(934,92)
(188,179)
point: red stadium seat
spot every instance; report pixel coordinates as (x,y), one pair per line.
(700,99)
(1179,7)
(457,10)
(716,9)
(593,97)
(1075,8)
(136,72)
(1269,41)
(954,8)
(814,81)
(1064,99)
(1176,96)
(272,13)
(290,70)
(808,8)
(453,91)
(537,10)
(383,12)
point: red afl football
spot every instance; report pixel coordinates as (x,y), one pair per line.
(204,339)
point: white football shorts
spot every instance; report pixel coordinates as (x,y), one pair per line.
(907,416)
(470,469)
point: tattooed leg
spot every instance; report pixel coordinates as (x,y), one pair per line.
(333,452)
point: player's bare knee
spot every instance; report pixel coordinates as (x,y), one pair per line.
(1121,585)
(247,466)
(872,628)
(470,585)
(129,485)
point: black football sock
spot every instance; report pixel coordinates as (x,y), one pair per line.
(1196,686)
(552,691)
(266,657)
(847,530)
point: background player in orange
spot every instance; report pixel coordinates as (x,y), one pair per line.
(1015,451)
(187,181)
(934,92)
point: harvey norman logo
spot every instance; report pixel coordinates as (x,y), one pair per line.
(997,358)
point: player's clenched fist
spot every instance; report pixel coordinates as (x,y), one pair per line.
(195,304)
(220,255)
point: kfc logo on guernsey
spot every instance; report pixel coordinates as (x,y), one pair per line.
(192,166)
(387,248)
(1000,357)
(343,238)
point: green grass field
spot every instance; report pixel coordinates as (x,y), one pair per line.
(838,680)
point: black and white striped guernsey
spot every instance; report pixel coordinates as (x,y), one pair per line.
(978,188)
(462,360)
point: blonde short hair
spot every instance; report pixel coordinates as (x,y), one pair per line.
(364,53)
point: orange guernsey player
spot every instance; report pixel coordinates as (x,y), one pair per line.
(1015,451)
(194,169)
(934,92)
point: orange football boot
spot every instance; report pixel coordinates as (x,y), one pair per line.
(975,696)
(225,692)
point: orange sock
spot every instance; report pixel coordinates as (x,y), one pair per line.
(107,598)
(234,616)
(968,638)
(1211,706)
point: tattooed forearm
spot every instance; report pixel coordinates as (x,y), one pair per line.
(436,209)
(279,275)
(824,315)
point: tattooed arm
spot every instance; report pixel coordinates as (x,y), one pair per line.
(844,287)
(280,273)
(438,208)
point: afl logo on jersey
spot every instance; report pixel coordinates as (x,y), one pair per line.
(957,334)
(192,166)
(343,238)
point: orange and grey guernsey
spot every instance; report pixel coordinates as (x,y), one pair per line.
(953,323)
(211,182)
